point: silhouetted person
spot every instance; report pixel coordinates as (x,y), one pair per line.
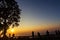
(39,34)
(47,33)
(56,32)
(9,35)
(13,35)
(32,34)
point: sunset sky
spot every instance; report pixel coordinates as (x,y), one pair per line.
(38,16)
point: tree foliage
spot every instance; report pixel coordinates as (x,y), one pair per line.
(9,14)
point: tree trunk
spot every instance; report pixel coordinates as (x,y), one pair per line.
(5,29)
(4,32)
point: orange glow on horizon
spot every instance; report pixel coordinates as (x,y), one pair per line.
(28,30)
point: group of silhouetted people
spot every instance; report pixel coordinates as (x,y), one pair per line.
(47,36)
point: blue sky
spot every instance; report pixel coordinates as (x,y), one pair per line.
(40,9)
(39,12)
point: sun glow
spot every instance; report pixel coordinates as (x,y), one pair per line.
(12,30)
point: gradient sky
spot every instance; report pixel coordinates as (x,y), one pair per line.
(39,15)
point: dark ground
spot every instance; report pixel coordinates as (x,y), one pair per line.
(55,36)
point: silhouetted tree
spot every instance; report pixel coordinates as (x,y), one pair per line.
(9,14)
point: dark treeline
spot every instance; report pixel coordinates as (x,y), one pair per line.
(47,36)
